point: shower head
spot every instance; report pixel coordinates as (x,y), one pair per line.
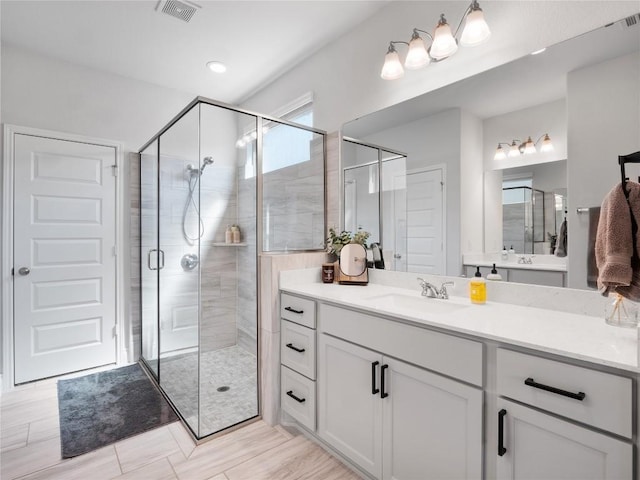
(205,161)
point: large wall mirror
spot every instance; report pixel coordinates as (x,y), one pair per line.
(423,176)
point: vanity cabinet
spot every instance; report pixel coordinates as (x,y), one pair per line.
(393,419)
(298,359)
(534,444)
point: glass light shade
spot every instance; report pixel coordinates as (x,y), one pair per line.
(417,57)
(500,153)
(392,68)
(514,151)
(529,147)
(476,30)
(547,146)
(443,45)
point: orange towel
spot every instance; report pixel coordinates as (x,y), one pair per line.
(617,270)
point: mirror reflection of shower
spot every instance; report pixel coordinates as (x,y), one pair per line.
(193,176)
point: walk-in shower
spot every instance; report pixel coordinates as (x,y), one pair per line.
(199,294)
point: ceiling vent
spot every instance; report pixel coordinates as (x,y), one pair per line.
(178,8)
(632,20)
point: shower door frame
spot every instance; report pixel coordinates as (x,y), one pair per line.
(260,119)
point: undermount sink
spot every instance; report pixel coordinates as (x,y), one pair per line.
(418,303)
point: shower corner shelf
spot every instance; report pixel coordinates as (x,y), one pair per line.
(223,244)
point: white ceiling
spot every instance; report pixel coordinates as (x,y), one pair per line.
(257,40)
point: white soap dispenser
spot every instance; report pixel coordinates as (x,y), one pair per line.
(494,275)
(512,253)
(504,255)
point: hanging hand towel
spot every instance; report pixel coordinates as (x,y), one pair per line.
(617,270)
(561,245)
(592,269)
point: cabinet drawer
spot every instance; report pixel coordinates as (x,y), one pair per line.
(303,406)
(607,402)
(298,310)
(298,348)
(453,356)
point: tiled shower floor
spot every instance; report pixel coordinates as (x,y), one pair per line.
(231,367)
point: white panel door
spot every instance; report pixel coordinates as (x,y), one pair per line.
(432,426)
(425,222)
(64,263)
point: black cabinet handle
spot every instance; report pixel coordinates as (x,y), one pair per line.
(291,309)
(292,347)
(374,390)
(501,449)
(297,399)
(532,383)
(383,394)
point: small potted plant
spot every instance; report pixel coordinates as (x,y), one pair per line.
(337,241)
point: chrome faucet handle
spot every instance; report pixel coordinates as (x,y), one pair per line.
(428,290)
(443,290)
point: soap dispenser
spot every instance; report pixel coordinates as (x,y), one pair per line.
(478,288)
(512,252)
(494,275)
(504,255)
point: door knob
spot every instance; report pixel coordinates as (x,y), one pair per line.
(24,271)
(397,256)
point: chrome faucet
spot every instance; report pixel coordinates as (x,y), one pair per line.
(431,291)
(525,260)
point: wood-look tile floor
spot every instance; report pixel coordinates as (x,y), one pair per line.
(30,449)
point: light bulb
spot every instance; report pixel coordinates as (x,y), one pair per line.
(500,153)
(529,147)
(417,57)
(514,151)
(444,44)
(476,31)
(392,68)
(547,146)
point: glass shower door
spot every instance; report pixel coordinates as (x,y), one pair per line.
(179,279)
(149,255)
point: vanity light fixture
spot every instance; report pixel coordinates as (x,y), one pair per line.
(524,148)
(443,43)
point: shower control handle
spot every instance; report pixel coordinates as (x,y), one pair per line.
(297,399)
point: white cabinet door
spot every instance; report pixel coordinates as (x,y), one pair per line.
(349,412)
(432,425)
(539,446)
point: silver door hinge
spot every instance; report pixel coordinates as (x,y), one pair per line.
(114,251)
(115,330)
(114,170)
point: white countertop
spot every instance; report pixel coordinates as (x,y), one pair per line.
(571,335)
(549,267)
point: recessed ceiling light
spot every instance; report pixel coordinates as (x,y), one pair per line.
(217,67)
(539,51)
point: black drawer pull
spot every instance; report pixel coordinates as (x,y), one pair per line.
(501,448)
(292,347)
(293,310)
(532,383)
(374,389)
(383,394)
(297,399)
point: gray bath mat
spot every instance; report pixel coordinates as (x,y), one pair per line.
(102,408)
